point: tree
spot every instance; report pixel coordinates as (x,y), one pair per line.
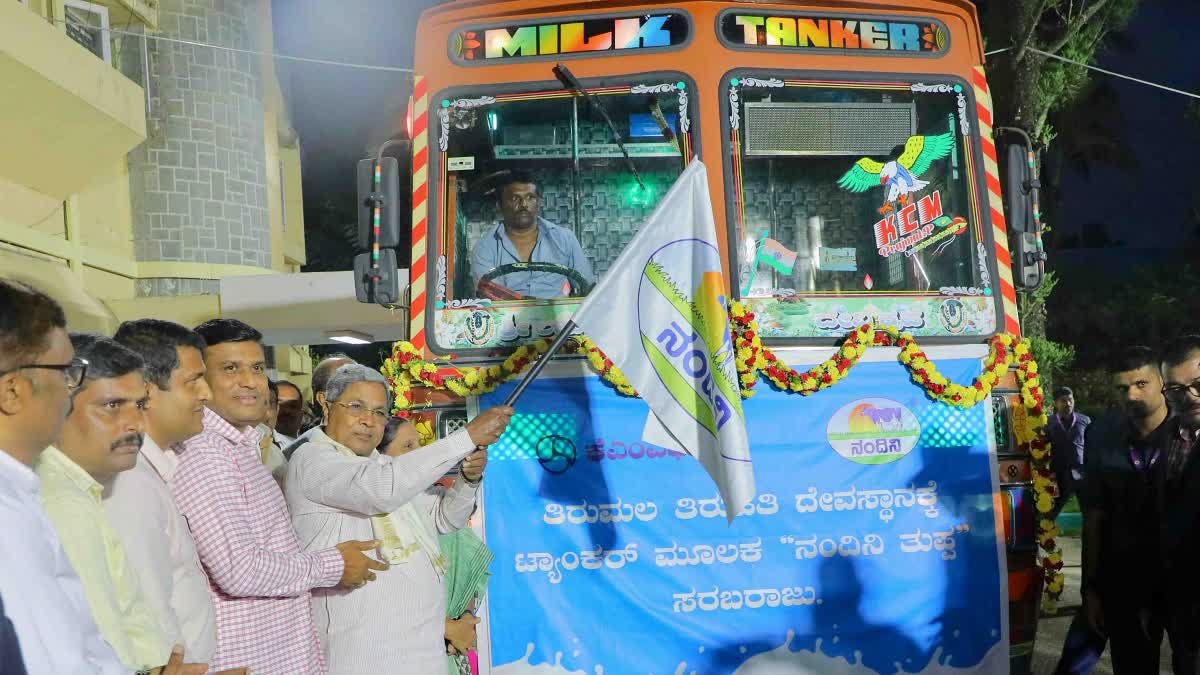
(1029,85)
(1119,300)
(1053,358)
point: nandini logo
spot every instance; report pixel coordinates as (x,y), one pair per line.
(873,431)
(681,317)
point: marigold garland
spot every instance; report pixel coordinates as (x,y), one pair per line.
(406,369)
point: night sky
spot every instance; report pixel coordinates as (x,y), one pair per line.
(339,112)
(1149,206)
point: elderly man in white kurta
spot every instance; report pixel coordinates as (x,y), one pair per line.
(339,486)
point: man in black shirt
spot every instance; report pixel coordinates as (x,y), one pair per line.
(1180,499)
(1122,591)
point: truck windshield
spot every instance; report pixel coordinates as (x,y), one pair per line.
(852,188)
(539,199)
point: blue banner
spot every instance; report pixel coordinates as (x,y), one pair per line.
(871,547)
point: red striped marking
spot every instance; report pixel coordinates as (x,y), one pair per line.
(419,267)
(420,229)
(420,159)
(421,87)
(1007,290)
(993,183)
(985,116)
(989,149)
(1002,255)
(980,81)
(420,194)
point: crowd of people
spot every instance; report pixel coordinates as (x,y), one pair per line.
(164,509)
(1137,478)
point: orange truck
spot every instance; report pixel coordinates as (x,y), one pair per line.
(854,177)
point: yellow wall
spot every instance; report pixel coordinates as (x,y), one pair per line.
(78,246)
(102,215)
(29,209)
(283,159)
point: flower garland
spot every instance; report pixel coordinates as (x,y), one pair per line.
(753,358)
(425,433)
(1029,430)
(406,369)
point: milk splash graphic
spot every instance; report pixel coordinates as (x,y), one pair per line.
(783,661)
(524,667)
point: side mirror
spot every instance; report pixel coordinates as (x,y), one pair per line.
(377,284)
(378,191)
(1021,211)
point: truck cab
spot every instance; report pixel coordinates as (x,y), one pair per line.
(853,173)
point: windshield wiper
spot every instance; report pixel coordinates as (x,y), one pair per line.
(568,80)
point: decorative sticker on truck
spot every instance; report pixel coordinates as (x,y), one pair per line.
(787,30)
(873,431)
(910,223)
(580,36)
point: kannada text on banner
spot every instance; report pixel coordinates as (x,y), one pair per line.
(870,548)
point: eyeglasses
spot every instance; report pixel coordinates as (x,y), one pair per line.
(1179,391)
(73,372)
(361,411)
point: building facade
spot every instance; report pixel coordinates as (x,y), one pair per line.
(140,165)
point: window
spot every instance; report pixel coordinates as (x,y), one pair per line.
(87,24)
(856,202)
(538,199)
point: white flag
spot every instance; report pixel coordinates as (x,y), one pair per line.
(660,314)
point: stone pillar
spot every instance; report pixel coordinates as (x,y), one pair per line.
(199,182)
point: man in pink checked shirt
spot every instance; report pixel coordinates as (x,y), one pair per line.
(260,580)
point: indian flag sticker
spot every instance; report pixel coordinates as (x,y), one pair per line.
(873,431)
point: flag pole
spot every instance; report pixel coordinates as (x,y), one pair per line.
(533,372)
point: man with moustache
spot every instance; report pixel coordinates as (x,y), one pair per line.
(1180,531)
(139,502)
(1123,570)
(101,438)
(259,578)
(523,236)
(43,597)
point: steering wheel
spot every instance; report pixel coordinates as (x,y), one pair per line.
(579,285)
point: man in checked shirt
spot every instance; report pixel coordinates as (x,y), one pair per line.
(259,578)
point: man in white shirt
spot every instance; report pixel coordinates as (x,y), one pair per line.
(139,502)
(42,594)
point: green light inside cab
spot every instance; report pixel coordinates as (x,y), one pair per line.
(638,196)
(493,121)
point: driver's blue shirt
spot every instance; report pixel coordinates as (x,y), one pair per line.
(556,245)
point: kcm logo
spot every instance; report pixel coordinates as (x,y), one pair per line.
(873,431)
(682,317)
